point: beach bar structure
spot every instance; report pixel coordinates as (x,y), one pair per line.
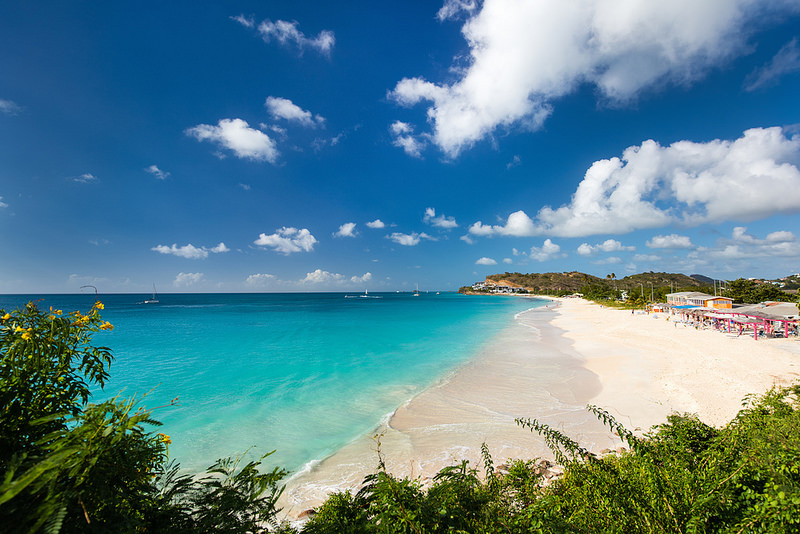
(695,298)
(767,318)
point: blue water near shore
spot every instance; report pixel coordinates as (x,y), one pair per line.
(300,373)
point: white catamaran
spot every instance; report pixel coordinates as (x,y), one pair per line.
(154,298)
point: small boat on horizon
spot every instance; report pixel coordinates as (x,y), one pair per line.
(366,295)
(154,298)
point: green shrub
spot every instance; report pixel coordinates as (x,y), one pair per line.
(72,466)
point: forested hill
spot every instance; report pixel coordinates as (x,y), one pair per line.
(573,281)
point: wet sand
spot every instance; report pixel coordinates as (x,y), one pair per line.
(548,364)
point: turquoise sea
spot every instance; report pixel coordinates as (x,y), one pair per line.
(301,373)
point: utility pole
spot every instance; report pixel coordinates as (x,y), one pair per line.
(651,292)
(642,285)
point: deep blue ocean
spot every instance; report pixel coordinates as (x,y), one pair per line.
(301,373)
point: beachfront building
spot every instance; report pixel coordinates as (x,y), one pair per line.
(491,287)
(771,319)
(701,300)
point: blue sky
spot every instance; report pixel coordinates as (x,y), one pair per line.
(317,146)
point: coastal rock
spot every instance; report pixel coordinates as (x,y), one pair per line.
(307,514)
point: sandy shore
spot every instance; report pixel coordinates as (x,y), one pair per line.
(548,364)
(651,367)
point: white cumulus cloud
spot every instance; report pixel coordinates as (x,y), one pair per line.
(441,221)
(525,55)
(485,261)
(346,230)
(742,245)
(237,136)
(403,137)
(319,276)
(686,182)
(518,224)
(781,236)
(547,251)
(187,279)
(9,107)
(670,241)
(3,204)
(452,8)
(611,260)
(283,108)
(190,251)
(85,178)
(409,240)
(158,173)
(609,245)
(366,277)
(377,223)
(286,33)
(247,22)
(259,279)
(288,240)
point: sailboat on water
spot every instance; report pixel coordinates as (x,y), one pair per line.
(154,298)
(416,291)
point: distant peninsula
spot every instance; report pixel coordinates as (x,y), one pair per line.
(575,281)
(647,286)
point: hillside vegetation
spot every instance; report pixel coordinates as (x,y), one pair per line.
(574,280)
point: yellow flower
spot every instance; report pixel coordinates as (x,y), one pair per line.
(26,336)
(99,305)
(51,316)
(164,438)
(6,317)
(106,326)
(18,329)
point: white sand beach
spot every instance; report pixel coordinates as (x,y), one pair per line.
(548,365)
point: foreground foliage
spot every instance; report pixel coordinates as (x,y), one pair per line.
(684,476)
(72,466)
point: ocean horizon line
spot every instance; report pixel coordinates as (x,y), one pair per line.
(145,292)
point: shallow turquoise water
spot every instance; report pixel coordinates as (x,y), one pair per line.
(300,373)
